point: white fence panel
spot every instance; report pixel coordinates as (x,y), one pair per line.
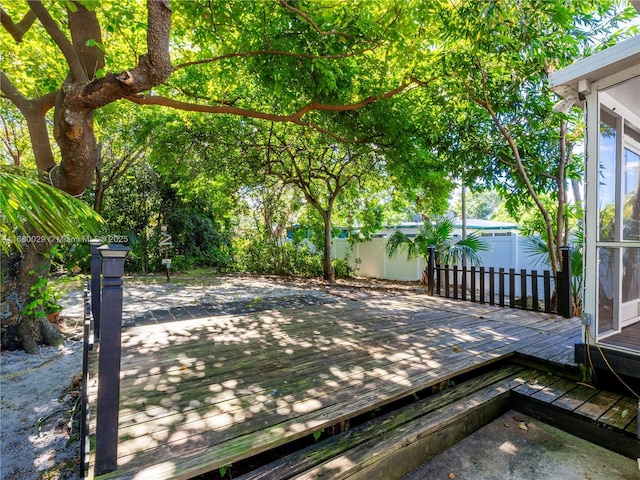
(505,252)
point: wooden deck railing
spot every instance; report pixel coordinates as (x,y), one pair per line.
(538,291)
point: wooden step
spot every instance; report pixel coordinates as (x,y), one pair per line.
(396,443)
(604,418)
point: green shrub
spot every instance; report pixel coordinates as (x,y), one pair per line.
(255,255)
(76,256)
(342,268)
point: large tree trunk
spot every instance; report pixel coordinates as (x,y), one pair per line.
(20,271)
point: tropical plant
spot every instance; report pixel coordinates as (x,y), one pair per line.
(438,234)
(538,248)
(28,205)
(33,217)
(44,299)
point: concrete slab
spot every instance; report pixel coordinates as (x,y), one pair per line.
(517,447)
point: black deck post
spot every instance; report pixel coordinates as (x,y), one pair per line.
(563,287)
(95,287)
(492,286)
(534,291)
(523,288)
(455,281)
(113,257)
(431,266)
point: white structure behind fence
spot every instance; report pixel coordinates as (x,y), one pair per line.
(370,259)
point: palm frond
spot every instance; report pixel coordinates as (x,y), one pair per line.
(400,242)
(438,235)
(467,249)
(442,230)
(52,213)
(538,249)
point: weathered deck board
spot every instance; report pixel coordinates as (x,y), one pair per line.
(203,393)
(554,391)
(314,455)
(621,414)
(575,398)
(604,418)
(598,405)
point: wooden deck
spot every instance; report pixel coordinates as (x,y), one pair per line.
(628,338)
(200,394)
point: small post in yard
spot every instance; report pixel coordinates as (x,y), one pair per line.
(95,287)
(113,257)
(164,245)
(563,286)
(431,266)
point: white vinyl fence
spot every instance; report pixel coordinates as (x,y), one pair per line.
(371,260)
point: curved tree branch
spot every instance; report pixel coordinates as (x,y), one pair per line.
(34,113)
(296,117)
(17,30)
(12,93)
(310,21)
(293,118)
(60,39)
(153,68)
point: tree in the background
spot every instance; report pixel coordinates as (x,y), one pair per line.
(497,66)
(13,136)
(125,141)
(320,168)
(483,204)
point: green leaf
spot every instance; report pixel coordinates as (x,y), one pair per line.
(94,43)
(71,6)
(223,470)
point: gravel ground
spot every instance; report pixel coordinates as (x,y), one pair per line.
(37,392)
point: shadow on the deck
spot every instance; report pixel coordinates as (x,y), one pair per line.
(200,394)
